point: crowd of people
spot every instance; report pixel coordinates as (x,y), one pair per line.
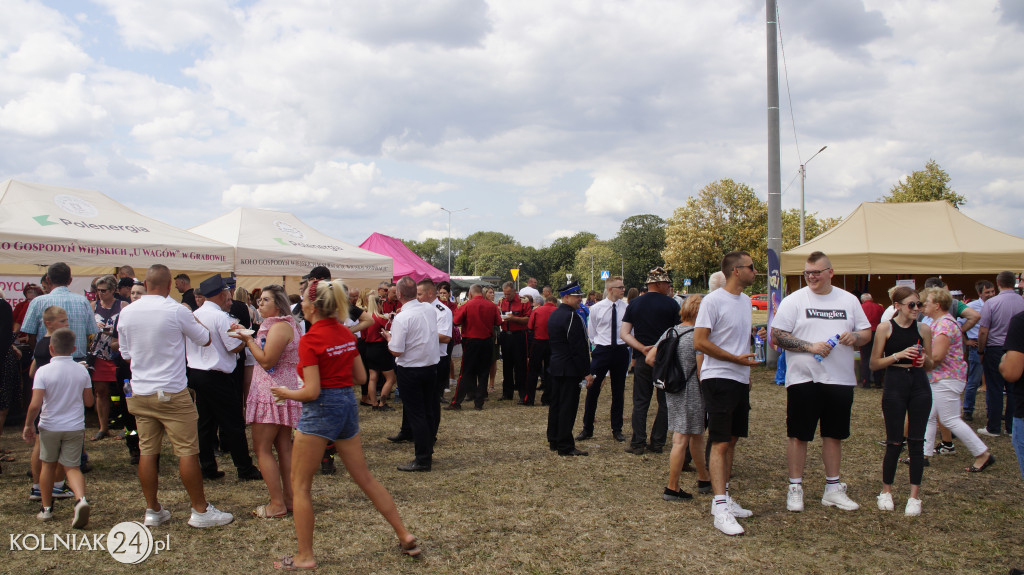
(289,367)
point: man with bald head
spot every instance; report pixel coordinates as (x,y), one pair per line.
(477,317)
(152,334)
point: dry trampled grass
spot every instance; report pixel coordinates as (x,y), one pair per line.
(497,501)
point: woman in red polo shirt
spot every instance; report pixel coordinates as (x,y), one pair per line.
(329,366)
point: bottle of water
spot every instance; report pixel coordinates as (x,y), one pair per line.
(127,388)
(832,342)
(758,349)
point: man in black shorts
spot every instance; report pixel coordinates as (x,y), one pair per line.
(820,376)
(722,334)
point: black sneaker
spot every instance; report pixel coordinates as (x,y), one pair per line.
(250,474)
(327,466)
(703,487)
(678,495)
(945,448)
(636,449)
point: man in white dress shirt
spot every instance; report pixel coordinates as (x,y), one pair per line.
(413,340)
(610,356)
(218,401)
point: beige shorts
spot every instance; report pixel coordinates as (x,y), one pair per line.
(64,447)
(177,418)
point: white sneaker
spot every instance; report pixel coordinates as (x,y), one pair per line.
(838,498)
(795,497)
(211,518)
(726,523)
(156,518)
(736,510)
(45,514)
(984,431)
(885,502)
(81,514)
(913,507)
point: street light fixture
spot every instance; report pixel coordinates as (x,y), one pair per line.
(450,234)
(803,176)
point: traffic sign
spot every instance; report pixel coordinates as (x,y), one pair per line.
(568,277)
(686,282)
(605,275)
(515,273)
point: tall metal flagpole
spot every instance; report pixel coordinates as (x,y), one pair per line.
(774,170)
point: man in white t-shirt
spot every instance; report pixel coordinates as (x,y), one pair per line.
(819,390)
(722,334)
(531,290)
(152,333)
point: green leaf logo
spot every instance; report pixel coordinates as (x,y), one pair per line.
(280,241)
(44,220)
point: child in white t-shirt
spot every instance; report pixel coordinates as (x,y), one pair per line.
(61,391)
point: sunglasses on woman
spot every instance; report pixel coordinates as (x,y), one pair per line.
(914,304)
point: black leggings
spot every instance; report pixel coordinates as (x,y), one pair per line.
(907,397)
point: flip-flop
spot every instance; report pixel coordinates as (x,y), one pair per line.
(261,512)
(413,551)
(287,563)
(972,469)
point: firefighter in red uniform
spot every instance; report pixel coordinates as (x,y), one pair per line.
(516,315)
(540,352)
(477,318)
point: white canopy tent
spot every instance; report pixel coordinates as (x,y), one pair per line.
(271,245)
(91,232)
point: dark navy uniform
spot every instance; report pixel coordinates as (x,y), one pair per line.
(570,364)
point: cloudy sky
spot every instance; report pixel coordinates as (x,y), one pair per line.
(542,118)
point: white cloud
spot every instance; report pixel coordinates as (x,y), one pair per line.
(621,195)
(170,26)
(422,209)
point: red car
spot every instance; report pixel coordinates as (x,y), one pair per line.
(759,301)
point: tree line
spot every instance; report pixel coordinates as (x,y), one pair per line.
(724,215)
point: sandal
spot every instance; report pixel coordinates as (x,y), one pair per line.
(972,469)
(287,563)
(413,551)
(261,512)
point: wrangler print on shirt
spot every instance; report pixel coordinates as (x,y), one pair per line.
(826,314)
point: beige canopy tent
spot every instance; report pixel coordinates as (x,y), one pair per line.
(92,233)
(926,238)
(272,246)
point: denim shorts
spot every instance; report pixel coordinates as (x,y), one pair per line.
(333,415)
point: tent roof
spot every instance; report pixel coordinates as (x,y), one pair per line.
(42,224)
(407,263)
(272,243)
(910,238)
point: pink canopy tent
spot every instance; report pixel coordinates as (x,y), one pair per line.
(407,263)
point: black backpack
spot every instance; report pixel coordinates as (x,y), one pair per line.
(668,374)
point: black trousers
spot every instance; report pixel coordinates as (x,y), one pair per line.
(540,357)
(565,402)
(416,386)
(995,386)
(643,389)
(476,365)
(907,397)
(513,363)
(440,382)
(613,361)
(219,403)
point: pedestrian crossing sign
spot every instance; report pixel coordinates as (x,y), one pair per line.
(605,275)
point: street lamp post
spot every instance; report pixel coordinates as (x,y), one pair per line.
(591,267)
(450,234)
(803,176)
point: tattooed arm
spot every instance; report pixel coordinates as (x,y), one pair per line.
(787,341)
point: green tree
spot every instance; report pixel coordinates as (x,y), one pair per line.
(560,257)
(591,260)
(813,227)
(640,241)
(724,216)
(927,185)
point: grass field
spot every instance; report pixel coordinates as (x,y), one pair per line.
(498,501)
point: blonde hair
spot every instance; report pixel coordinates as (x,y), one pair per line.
(688,311)
(241,294)
(330,298)
(940,296)
(53,312)
(373,304)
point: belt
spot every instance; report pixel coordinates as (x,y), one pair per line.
(903,366)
